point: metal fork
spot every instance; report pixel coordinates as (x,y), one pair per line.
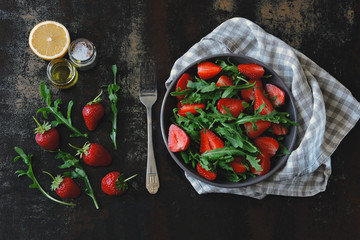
(148,96)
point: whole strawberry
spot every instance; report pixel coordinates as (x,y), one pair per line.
(114,183)
(93,113)
(94,154)
(46,136)
(65,187)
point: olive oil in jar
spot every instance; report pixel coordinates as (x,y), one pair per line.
(62,73)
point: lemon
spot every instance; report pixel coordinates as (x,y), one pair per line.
(49,40)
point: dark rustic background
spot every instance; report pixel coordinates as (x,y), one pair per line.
(126,33)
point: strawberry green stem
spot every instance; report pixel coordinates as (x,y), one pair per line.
(49,175)
(75,147)
(97,99)
(37,122)
(130,177)
(81,151)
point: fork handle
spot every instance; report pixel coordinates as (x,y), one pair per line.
(152,178)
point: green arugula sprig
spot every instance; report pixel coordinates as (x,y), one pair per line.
(53,109)
(35,185)
(78,172)
(112,90)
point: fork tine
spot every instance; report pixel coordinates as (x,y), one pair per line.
(142,77)
(147,76)
(152,75)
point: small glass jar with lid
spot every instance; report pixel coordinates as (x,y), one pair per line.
(62,73)
(82,53)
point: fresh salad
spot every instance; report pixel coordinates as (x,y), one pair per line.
(227,123)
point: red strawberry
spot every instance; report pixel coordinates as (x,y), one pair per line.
(191,108)
(261,125)
(179,105)
(209,175)
(278,129)
(260,99)
(47,136)
(234,105)
(182,84)
(264,163)
(93,113)
(267,145)
(224,81)
(276,95)
(251,70)
(237,165)
(248,94)
(114,183)
(65,187)
(209,141)
(94,154)
(207,70)
(178,140)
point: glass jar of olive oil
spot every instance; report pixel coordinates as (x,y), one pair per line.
(62,73)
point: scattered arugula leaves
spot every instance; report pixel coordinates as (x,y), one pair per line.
(112,90)
(35,185)
(53,108)
(78,172)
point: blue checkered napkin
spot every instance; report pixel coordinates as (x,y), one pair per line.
(326,109)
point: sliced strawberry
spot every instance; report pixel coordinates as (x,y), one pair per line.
(182,84)
(260,99)
(179,105)
(251,70)
(237,165)
(267,145)
(209,141)
(234,105)
(261,125)
(224,81)
(207,70)
(248,94)
(206,173)
(178,140)
(264,163)
(276,95)
(278,129)
(191,108)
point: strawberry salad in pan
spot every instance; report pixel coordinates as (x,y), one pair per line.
(228,121)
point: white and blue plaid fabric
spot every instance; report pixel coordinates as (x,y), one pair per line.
(327,111)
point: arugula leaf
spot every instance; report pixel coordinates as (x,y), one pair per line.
(54,110)
(282,151)
(228,67)
(222,152)
(79,172)
(190,157)
(254,162)
(35,185)
(233,133)
(112,90)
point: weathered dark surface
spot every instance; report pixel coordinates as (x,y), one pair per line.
(126,33)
